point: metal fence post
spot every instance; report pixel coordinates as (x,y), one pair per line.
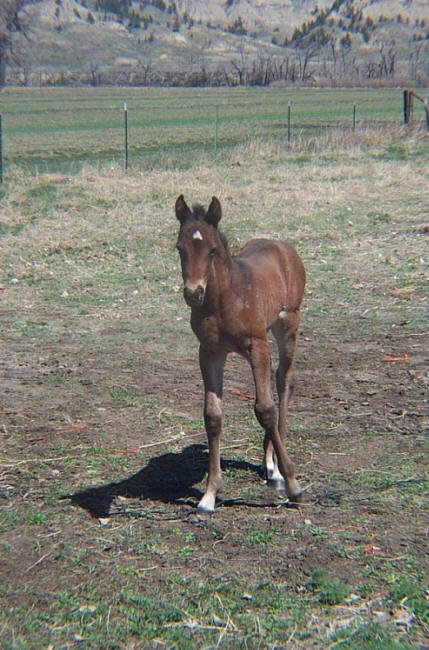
(288,122)
(126,134)
(216,129)
(354,116)
(1,149)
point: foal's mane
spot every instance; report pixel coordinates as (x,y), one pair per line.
(199,213)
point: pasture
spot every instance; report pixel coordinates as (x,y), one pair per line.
(58,129)
(102,443)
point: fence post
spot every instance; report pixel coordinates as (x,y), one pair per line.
(216,128)
(407,107)
(126,134)
(354,116)
(288,122)
(410,105)
(1,149)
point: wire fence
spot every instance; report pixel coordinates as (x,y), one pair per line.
(62,129)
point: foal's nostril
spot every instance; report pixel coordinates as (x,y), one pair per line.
(194,297)
(199,293)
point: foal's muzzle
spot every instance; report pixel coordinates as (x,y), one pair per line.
(194,298)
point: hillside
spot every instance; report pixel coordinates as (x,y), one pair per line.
(222,42)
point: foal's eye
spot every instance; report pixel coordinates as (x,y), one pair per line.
(212,252)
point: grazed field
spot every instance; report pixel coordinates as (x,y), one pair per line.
(102,446)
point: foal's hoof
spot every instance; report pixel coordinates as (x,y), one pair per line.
(278,484)
(207,504)
(296,499)
(294,492)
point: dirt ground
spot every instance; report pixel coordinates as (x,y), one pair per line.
(350,416)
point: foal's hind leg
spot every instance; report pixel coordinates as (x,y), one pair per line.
(284,330)
(212,371)
(266,413)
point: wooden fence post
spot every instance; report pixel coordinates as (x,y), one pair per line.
(406,96)
(409,105)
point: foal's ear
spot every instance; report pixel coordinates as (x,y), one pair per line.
(214,213)
(182,210)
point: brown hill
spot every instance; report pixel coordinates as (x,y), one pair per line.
(222,42)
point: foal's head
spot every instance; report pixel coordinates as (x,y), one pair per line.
(199,244)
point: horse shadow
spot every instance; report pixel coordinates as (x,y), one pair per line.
(170,478)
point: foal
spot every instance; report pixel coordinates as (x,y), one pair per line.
(234,301)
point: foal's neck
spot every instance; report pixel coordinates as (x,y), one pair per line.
(220,279)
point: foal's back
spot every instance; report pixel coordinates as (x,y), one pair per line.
(277,271)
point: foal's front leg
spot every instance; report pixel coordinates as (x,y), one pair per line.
(212,371)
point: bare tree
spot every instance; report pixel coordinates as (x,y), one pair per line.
(387,60)
(146,70)
(10,22)
(307,55)
(94,74)
(240,65)
(418,63)
(227,76)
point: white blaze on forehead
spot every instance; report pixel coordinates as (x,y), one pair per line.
(197,235)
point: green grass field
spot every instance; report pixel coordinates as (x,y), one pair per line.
(59,128)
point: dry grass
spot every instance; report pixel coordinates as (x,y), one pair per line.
(263,190)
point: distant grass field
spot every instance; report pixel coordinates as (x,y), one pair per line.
(62,128)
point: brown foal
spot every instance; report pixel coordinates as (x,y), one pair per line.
(234,301)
